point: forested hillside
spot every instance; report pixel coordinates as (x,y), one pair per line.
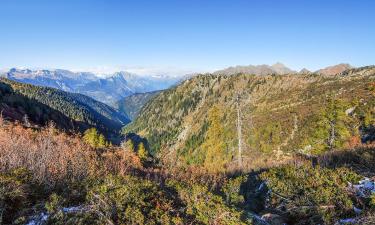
(42,104)
(131,105)
(17,107)
(195,123)
(308,140)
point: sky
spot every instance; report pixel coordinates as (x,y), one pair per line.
(184,36)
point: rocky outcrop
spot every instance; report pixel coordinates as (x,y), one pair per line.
(334,70)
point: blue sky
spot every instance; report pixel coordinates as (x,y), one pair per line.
(181,36)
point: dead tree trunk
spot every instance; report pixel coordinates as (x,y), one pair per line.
(332,135)
(239,132)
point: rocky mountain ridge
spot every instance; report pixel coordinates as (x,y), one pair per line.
(108,90)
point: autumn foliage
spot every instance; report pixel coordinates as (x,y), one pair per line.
(56,158)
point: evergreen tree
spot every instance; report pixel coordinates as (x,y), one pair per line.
(330,130)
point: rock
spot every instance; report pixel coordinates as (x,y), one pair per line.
(273,219)
(334,70)
(350,110)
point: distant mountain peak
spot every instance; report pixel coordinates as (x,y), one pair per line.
(278,64)
(304,71)
(277,68)
(335,69)
(106,89)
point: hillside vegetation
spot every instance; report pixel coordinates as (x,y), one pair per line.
(49,177)
(195,123)
(307,145)
(131,105)
(42,104)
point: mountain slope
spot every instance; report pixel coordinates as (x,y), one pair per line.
(196,122)
(277,68)
(77,107)
(131,105)
(17,107)
(334,70)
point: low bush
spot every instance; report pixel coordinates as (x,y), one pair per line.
(310,194)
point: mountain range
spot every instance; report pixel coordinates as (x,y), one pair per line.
(128,92)
(107,90)
(277,68)
(280,69)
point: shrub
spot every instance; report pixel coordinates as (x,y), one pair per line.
(306,192)
(54,158)
(207,207)
(14,194)
(131,200)
(231,190)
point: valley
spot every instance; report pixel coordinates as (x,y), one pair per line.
(286,114)
(107,88)
(180,151)
(187,112)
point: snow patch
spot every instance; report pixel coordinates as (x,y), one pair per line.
(347,221)
(39,219)
(365,188)
(43,217)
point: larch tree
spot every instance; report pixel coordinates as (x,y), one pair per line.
(94,138)
(214,145)
(142,152)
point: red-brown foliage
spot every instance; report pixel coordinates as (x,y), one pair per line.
(119,161)
(56,158)
(53,157)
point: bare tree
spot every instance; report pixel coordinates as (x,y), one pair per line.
(239,131)
(26,121)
